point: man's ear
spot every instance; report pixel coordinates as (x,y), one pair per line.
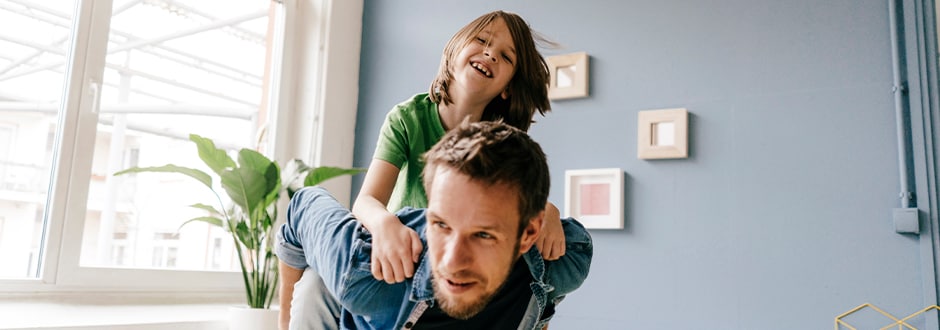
(531,232)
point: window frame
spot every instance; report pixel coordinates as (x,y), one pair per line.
(307,29)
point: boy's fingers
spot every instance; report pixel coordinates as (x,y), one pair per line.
(416,248)
(376,268)
(383,271)
(408,269)
(397,273)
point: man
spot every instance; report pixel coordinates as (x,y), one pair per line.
(487,186)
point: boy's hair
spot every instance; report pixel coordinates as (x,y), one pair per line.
(492,152)
(528,88)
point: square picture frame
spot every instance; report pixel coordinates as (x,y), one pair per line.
(569,76)
(594,197)
(663,134)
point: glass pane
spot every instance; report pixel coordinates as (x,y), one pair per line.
(34,43)
(173,68)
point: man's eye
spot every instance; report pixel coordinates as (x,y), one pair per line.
(484,235)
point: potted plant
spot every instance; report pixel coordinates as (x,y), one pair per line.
(253,186)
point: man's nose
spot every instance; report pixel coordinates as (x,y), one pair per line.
(457,256)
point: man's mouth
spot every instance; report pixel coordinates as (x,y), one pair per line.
(482,69)
(458,286)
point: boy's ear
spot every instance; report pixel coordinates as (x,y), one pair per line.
(531,232)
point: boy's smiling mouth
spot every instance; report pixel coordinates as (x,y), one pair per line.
(483,69)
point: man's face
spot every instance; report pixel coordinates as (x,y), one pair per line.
(473,240)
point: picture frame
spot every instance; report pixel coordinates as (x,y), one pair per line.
(594,197)
(663,134)
(569,76)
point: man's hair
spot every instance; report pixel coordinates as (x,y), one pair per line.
(528,88)
(494,153)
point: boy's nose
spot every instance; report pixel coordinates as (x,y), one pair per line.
(487,54)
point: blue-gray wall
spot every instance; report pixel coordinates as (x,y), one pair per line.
(781,216)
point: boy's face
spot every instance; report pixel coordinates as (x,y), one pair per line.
(484,67)
(473,240)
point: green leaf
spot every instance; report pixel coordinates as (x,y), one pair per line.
(170,168)
(205,207)
(323,173)
(210,220)
(268,169)
(266,222)
(217,159)
(245,187)
(244,235)
(290,192)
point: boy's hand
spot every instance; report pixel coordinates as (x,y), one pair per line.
(395,250)
(551,240)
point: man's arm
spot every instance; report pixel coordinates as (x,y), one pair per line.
(288,277)
(324,237)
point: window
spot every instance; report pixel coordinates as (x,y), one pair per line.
(90,88)
(30,39)
(168,71)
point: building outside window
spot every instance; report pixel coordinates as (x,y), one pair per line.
(168,68)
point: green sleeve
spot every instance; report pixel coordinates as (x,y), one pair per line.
(392,145)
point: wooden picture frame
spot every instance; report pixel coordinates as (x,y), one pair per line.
(594,197)
(569,76)
(663,134)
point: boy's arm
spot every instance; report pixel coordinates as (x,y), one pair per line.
(568,272)
(395,247)
(551,240)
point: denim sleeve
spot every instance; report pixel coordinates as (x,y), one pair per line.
(319,233)
(323,234)
(568,272)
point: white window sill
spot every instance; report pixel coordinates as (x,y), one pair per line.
(56,315)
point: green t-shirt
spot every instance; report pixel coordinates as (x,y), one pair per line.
(410,129)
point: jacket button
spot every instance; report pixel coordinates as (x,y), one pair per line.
(408,325)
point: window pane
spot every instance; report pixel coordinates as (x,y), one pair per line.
(34,42)
(173,68)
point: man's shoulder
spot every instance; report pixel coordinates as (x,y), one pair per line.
(568,272)
(414,218)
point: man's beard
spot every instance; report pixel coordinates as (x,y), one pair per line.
(465,312)
(461,312)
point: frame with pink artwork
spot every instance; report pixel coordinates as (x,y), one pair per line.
(595,197)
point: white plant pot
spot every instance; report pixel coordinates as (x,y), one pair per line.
(244,318)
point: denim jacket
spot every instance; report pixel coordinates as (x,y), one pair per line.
(322,234)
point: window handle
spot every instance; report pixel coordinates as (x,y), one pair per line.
(94,90)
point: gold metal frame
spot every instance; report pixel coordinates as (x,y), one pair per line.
(901,324)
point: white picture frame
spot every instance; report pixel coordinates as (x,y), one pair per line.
(594,197)
(568,76)
(662,134)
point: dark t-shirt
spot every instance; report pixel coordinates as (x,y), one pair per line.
(505,311)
